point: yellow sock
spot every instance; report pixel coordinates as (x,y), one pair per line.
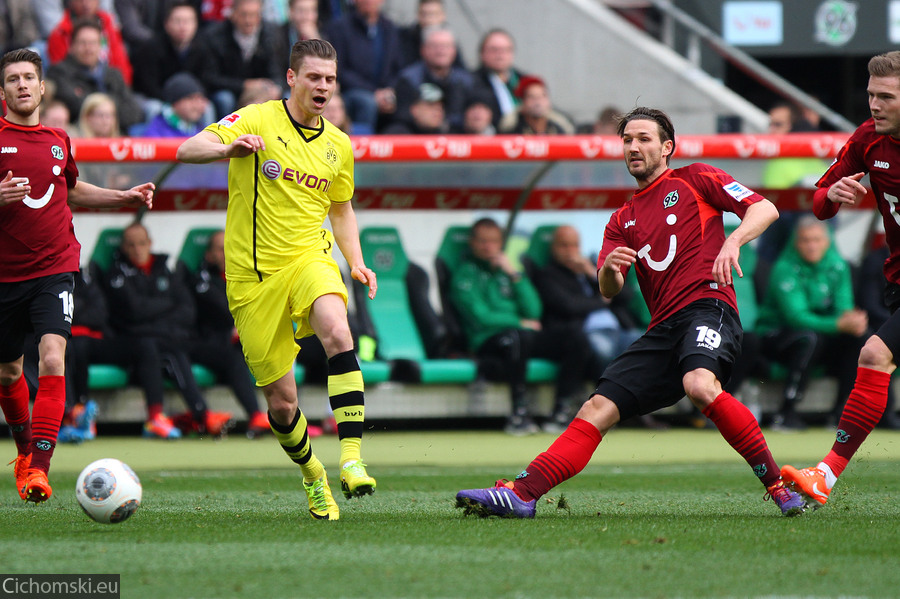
(347,398)
(294,440)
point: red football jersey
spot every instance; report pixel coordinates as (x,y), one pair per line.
(37,237)
(675,225)
(878,155)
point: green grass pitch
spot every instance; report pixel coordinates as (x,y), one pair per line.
(655,514)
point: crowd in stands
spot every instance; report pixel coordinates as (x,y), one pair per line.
(393,77)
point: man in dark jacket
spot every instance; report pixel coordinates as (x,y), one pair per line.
(147,300)
(497,77)
(238,51)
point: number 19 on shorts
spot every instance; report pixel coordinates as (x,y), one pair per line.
(708,338)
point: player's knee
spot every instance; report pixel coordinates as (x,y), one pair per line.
(599,411)
(701,386)
(876,355)
(9,374)
(52,364)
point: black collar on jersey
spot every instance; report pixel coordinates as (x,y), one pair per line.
(308,134)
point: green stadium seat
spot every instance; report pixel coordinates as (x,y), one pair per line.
(108,242)
(195,245)
(106,376)
(399,339)
(538,253)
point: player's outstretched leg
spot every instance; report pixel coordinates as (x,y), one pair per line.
(14,403)
(294,440)
(738,426)
(347,398)
(565,458)
(863,410)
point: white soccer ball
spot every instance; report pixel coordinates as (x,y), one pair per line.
(108,491)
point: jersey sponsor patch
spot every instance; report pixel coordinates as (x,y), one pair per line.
(737,191)
(229,120)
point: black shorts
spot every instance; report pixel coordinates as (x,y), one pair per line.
(42,305)
(649,374)
(889,332)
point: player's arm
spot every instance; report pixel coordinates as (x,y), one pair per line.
(206,147)
(13,189)
(88,195)
(846,190)
(757,219)
(610,274)
(346,234)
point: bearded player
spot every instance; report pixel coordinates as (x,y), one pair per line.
(672,232)
(40,257)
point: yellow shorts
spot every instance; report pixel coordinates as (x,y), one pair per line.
(270,314)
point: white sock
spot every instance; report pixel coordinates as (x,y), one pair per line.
(830,478)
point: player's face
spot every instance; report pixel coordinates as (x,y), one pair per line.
(812,243)
(645,152)
(22,89)
(884,104)
(312,87)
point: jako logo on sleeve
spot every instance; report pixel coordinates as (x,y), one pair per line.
(737,191)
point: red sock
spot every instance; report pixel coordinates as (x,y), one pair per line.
(565,458)
(154,410)
(863,410)
(49,407)
(14,403)
(740,429)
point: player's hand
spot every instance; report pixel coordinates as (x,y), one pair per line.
(725,261)
(848,190)
(140,195)
(245,145)
(619,258)
(367,277)
(13,189)
(853,322)
(530,323)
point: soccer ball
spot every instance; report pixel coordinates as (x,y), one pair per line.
(108,491)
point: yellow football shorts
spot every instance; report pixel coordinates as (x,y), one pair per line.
(265,313)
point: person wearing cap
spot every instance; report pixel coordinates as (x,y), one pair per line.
(436,68)
(426,115)
(185,109)
(536,115)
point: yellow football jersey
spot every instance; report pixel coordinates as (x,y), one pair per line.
(279,197)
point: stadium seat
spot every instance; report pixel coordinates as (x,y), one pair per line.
(106,376)
(392,319)
(108,242)
(450,254)
(538,253)
(194,246)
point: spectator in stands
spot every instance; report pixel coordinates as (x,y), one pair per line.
(429,14)
(808,317)
(185,112)
(425,116)
(174,49)
(435,67)
(83,73)
(93,342)
(369,46)
(139,21)
(18,26)
(56,114)
(571,297)
(302,24)
(258,91)
(870,296)
(535,115)
(98,117)
(112,46)
(147,301)
(478,118)
(336,113)
(236,52)
(606,123)
(500,312)
(215,343)
(497,76)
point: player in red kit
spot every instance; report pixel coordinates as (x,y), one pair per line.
(671,232)
(38,179)
(874,148)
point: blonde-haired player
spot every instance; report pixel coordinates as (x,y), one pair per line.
(289,169)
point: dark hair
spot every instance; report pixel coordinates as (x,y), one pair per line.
(171,5)
(885,65)
(21,55)
(86,24)
(317,48)
(662,120)
(482,223)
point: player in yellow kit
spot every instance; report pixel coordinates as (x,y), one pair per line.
(289,169)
